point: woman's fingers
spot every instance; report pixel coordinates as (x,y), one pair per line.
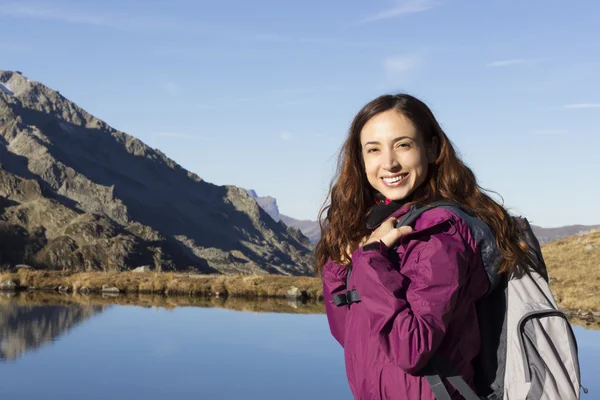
(393,235)
(388,233)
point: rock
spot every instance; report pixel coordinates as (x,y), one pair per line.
(8,285)
(110,289)
(295,293)
(144,268)
(23,266)
(84,290)
(589,247)
(64,289)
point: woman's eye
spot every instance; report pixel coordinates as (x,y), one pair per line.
(372,150)
(403,145)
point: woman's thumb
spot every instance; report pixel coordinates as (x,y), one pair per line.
(403,230)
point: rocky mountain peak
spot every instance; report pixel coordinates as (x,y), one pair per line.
(154,210)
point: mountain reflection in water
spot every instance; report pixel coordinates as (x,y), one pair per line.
(25,327)
(32,319)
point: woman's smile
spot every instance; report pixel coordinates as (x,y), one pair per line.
(396,180)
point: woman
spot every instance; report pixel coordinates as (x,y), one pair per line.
(418,286)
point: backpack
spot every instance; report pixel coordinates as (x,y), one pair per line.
(528,348)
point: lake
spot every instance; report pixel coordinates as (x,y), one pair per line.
(210,349)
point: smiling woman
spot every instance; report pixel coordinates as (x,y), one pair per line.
(396,157)
(413,296)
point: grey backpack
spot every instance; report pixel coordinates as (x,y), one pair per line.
(529,351)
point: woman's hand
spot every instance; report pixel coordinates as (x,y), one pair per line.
(387,233)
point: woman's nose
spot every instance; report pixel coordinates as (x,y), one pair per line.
(389,160)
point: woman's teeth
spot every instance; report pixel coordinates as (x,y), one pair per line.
(394,179)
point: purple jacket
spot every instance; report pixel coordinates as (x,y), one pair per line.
(415,301)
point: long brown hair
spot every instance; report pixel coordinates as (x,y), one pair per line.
(350,197)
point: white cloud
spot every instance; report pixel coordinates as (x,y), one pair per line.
(400,8)
(582,106)
(286,135)
(511,62)
(331,41)
(549,132)
(394,66)
(38,11)
(68,13)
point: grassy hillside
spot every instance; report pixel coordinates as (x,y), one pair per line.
(574,269)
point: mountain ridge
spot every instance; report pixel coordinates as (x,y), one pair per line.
(54,154)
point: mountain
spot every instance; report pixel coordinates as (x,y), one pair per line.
(310,229)
(307,228)
(76,193)
(545,235)
(267,203)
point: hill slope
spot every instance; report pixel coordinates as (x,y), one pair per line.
(574,268)
(78,194)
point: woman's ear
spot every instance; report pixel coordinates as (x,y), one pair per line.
(432,151)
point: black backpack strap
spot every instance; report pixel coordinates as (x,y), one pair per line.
(349,296)
(437,386)
(414,213)
(445,370)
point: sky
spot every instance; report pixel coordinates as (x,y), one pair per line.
(260,94)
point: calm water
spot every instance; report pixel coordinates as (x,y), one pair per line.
(132,352)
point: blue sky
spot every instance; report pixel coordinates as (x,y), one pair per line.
(260,94)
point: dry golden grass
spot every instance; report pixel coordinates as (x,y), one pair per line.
(575,272)
(169,283)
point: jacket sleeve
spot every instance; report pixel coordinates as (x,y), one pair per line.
(334,282)
(409,311)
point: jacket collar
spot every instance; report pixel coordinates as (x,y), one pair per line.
(384,209)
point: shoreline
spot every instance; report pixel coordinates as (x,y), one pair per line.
(164,283)
(173,284)
(29,298)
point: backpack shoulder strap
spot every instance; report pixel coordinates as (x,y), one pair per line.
(414,213)
(351,296)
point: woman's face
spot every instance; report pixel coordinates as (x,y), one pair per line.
(395,156)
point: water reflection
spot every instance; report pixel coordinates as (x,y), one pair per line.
(182,348)
(287,306)
(156,347)
(30,320)
(28,324)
